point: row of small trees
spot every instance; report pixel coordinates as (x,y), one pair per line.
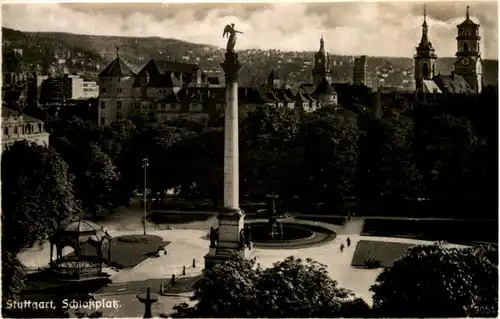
(429,281)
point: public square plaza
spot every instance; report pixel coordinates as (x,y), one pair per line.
(189,241)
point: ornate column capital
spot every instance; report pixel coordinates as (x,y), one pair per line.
(231,67)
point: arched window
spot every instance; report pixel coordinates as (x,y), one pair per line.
(466,47)
(39,127)
(15,129)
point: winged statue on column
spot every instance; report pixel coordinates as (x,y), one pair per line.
(231,32)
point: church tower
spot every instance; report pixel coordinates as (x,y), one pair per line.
(425,59)
(321,65)
(468,62)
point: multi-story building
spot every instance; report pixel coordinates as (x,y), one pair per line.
(67,87)
(360,70)
(116,92)
(90,89)
(18,127)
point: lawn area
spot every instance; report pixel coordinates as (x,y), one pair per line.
(177,218)
(385,252)
(324,219)
(452,231)
(129,252)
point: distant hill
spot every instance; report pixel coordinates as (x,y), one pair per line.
(90,54)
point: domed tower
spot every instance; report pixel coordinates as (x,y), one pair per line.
(321,65)
(425,59)
(468,62)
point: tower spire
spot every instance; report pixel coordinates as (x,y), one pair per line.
(424,25)
(117,51)
(467,12)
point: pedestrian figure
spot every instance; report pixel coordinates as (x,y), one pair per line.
(349,216)
(342,247)
(348,241)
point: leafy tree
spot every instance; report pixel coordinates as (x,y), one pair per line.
(329,142)
(299,289)
(95,184)
(444,147)
(386,166)
(266,137)
(291,288)
(13,276)
(228,290)
(436,281)
(205,155)
(37,195)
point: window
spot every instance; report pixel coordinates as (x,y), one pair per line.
(466,47)
(103,121)
(40,127)
(103,105)
(119,79)
(109,80)
(150,106)
(119,90)
(103,90)
(163,106)
(6,131)
(15,129)
(280,104)
(118,105)
(173,106)
(118,115)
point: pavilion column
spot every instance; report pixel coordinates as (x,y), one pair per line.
(51,253)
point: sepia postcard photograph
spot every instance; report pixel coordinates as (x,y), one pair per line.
(277,159)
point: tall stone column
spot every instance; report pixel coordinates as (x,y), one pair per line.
(231,217)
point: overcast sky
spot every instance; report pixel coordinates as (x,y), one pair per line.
(376,29)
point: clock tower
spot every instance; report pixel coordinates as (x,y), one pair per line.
(425,59)
(469,63)
(321,65)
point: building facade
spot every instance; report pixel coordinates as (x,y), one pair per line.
(21,127)
(360,70)
(116,92)
(67,87)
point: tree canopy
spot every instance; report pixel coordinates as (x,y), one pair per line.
(37,195)
(437,281)
(291,288)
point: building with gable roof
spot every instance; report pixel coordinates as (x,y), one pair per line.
(116,92)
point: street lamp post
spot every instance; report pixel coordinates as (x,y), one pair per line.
(145,164)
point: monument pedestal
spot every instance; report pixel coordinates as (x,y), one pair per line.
(231,223)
